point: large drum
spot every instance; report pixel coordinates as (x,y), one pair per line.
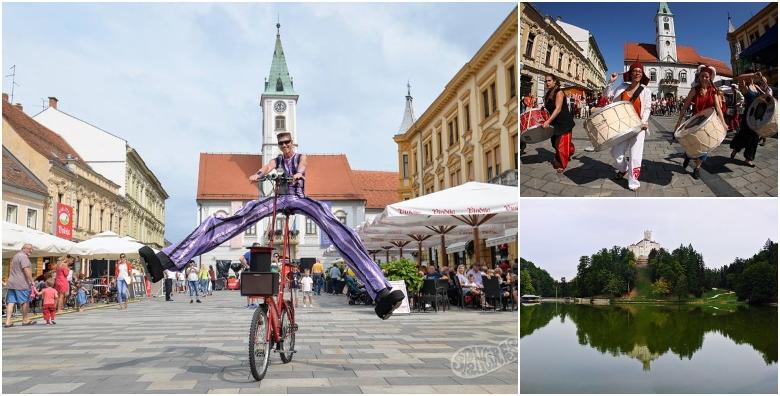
(762,116)
(531,130)
(612,124)
(701,134)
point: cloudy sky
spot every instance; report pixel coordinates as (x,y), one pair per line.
(554,233)
(179,79)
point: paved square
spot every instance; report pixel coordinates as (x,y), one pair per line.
(590,174)
(178,347)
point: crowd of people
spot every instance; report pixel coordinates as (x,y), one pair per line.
(730,105)
(470,284)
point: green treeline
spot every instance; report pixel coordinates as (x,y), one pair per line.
(678,274)
(753,280)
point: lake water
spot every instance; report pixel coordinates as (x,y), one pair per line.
(568,348)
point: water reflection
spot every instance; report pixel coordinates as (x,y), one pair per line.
(646,332)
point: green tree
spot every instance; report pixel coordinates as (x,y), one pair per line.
(661,287)
(681,287)
(615,286)
(526,286)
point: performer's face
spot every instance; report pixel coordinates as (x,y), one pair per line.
(636,75)
(286,145)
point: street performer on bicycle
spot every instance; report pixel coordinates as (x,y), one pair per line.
(214,231)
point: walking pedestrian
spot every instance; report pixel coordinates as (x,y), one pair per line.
(747,138)
(203,280)
(335,274)
(20,282)
(123,280)
(180,281)
(170,279)
(703,96)
(633,89)
(212,279)
(306,287)
(49,296)
(295,284)
(317,276)
(192,280)
(81,295)
(61,281)
(562,121)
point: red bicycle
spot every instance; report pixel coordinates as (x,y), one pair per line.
(273,323)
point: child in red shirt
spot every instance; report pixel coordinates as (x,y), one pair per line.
(49,295)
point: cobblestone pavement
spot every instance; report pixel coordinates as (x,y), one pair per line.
(590,173)
(178,347)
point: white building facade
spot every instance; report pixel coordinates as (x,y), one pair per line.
(643,248)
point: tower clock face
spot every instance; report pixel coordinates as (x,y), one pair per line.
(666,19)
(280,106)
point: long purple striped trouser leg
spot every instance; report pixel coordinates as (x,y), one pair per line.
(214,231)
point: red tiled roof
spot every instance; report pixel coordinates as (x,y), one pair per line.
(379,188)
(225,176)
(644,52)
(17,175)
(43,140)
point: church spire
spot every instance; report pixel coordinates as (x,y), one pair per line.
(663,8)
(279,81)
(731,25)
(408,112)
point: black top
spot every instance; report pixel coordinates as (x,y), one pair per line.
(564,122)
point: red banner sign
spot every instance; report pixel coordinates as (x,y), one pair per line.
(64,228)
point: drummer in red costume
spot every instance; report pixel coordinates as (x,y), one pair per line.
(703,96)
(561,120)
(634,90)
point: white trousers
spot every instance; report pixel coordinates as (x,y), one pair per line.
(633,147)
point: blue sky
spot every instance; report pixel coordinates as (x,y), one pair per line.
(554,233)
(699,25)
(179,79)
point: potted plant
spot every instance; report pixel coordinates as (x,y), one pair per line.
(405,270)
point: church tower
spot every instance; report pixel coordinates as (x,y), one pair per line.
(279,103)
(665,37)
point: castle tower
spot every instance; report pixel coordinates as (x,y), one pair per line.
(665,37)
(648,235)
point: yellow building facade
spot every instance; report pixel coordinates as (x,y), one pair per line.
(470,131)
(743,36)
(546,48)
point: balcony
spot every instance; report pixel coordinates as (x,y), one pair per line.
(508,178)
(279,237)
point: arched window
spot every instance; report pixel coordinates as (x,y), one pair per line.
(279,85)
(280,123)
(668,75)
(220,214)
(683,76)
(653,76)
(666,26)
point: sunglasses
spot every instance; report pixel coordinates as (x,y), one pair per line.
(284,142)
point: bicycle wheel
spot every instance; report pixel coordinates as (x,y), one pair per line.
(259,346)
(288,336)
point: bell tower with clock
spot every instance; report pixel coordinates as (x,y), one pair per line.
(665,37)
(279,103)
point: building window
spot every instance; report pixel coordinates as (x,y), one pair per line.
(548,55)
(653,75)
(11,213)
(512,82)
(341,216)
(485,104)
(251,230)
(405,166)
(78,213)
(497,160)
(59,197)
(560,61)
(119,226)
(450,132)
(529,46)
(414,163)
(683,76)
(111,222)
(514,145)
(470,170)
(668,75)
(280,124)
(101,220)
(493,98)
(438,143)
(311,227)
(666,26)
(489,166)
(468,117)
(89,216)
(279,225)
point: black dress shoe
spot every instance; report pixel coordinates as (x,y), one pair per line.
(155,263)
(387,301)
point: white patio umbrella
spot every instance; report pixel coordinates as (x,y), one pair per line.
(472,204)
(15,236)
(108,245)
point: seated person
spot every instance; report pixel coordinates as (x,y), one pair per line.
(472,288)
(432,273)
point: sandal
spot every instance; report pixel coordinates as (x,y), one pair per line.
(30,323)
(8,325)
(559,170)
